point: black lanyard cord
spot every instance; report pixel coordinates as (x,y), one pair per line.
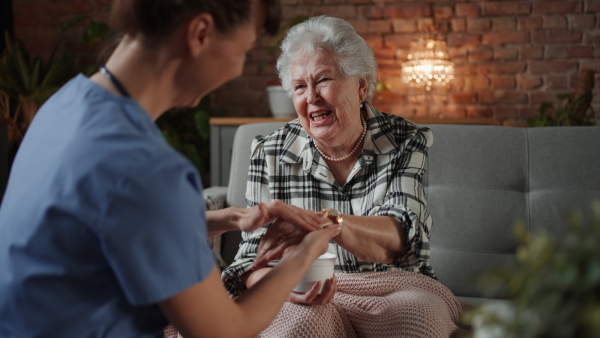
(114,81)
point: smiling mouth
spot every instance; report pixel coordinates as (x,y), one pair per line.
(320,115)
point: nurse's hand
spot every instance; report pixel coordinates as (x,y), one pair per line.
(264,213)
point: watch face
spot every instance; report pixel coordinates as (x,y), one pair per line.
(332,213)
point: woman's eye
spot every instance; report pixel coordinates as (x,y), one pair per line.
(296,87)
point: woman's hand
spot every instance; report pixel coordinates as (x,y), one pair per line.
(280,236)
(312,296)
(264,213)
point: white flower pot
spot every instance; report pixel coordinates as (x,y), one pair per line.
(280,104)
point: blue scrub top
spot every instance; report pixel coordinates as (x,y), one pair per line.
(101,220)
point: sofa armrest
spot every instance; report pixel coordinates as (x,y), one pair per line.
(215,197)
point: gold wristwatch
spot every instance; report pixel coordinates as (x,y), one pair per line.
(334,215)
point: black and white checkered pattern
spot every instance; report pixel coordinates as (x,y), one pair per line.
(385,181)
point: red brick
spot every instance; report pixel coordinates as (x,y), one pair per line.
(464,39)
(335,2)
(380,26)
(463,98)
(555,21)
(556,36)
(479,24)
(555,52)
(502,96)
(480,53)
(442,26)
(442,12)
(454,112)
(504,23)
(591,64)
(501,38)
(370,12)
(503,82)
(592,37)
(341,11)
(506,8)
(360,26)
(592,6)
(556,7)
(374,40)
(407,11)
(504,112)
(458,25)
(479,112)
(542,97)
(512,67)
(404,25)
(359,1)
(469,10)
(531,52)
(457,54)
(529,23)
(552,67)
(556,82)
(581,52)
(582,21)
(527,112)
(529,82)
(424,24)
(505,53)
(400,40)
(519,123)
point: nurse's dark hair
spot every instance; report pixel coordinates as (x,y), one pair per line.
(157,19)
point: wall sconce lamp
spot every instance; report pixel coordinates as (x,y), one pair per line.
(428,70)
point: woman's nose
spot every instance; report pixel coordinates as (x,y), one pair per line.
(313,95)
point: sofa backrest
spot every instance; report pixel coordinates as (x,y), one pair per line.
(480,181)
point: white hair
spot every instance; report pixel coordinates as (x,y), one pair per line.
(333,36)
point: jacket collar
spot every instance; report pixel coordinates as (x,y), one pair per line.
(299,149)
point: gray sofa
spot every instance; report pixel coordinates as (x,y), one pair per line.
(480,180)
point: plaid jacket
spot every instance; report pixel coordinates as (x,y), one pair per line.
(385,181)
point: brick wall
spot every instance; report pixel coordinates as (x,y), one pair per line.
(510,55)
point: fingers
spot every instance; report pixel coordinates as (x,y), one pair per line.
(305,298)
(304,219)
(312,297)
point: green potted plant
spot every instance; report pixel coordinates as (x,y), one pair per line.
(553,289)
(280,103)
(26,83)
(573,109)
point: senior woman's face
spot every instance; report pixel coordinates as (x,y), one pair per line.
(327,104)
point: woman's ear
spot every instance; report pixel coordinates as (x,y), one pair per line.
(200,31)
(363,85)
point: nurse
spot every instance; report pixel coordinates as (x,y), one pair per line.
(102,228)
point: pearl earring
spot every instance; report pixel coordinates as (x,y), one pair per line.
(361,105)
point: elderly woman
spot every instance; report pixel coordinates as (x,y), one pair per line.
(358,166)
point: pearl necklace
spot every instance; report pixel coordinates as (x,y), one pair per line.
(339,159)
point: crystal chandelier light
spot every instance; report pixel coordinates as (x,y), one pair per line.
(428,70)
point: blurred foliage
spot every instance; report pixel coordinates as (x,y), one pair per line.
(275,42)
(566,114)
(188,131)
(26,83)
(553,287)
